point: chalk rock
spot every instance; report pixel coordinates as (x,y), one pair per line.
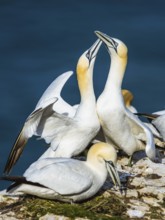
(135,213)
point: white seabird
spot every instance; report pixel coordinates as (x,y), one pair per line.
(68,179)
(120,126)
(68,136)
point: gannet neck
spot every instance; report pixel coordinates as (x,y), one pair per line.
(118,55)
(85,83)
(88,100)
(116,73)
(85,67)
(112,90)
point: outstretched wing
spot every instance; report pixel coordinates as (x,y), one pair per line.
(54,127)
(54,90)
(44,110)
(27,131)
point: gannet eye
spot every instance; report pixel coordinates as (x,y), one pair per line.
(88,55)
(113,44)
(116,44)
(110,163)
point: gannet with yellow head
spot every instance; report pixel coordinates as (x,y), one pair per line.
(120,126)
(67,136)
(68,179)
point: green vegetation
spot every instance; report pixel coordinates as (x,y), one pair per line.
(98,208)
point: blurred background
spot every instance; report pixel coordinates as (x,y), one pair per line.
(40,40)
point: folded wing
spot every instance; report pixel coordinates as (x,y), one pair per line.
(64,176)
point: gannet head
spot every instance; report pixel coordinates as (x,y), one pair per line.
(128,97)
(106,154)
(87,59)
(114,46)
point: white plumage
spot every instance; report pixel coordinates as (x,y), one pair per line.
(68,129)
(121,127)
(69,179)
(157,124)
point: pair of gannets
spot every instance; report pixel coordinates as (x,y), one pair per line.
(68,129)
(68,179)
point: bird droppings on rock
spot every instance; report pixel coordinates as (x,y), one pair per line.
(135,213)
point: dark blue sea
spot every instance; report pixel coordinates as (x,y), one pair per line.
(40,40)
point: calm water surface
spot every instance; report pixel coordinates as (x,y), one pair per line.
(39,40)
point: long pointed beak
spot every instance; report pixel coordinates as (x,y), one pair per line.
(107,40)
(113,173)
(93,50)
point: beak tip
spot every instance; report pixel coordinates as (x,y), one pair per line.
(97,32)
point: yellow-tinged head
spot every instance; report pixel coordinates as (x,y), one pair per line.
(128,97)
(104,153)
(86,63)
(115,46)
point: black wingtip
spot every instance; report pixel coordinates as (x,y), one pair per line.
(17,180)
(150,117)
(15,153)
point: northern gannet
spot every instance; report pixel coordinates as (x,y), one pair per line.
(68,136)
(120,126)
(68,179)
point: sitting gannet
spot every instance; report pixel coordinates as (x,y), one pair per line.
(68,136)
(68,179)
(120,126)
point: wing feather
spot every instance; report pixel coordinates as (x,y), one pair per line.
(26,132)
(54,89)
(44,110)
(65,176)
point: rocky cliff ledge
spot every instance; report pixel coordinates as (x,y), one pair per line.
(144,198)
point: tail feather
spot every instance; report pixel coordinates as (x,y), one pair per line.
(17,181)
